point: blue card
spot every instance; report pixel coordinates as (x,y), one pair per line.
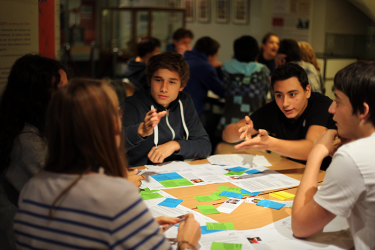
(270,204)
(160,177)
(222,165)
(237,169)
(231,194)
(204,230)
(253,171)
(251,193)
(169,202)
(173,176)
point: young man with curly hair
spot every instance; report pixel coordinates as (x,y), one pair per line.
(161,123)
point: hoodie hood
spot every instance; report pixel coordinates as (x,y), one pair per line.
(236,67)
(194,54)
(136,73)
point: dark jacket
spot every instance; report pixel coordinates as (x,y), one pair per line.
(170,47)
(186,129)
(136,73)
(203,77)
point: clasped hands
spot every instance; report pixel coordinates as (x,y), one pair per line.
(261,142)
(328,143)
(146,128)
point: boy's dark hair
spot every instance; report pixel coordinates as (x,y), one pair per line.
(147,44)
(207,45)
(246,49)
(357,82)
(290,48)
(288,70)
(182,33)
(171,61)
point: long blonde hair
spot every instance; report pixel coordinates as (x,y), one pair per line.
(81,131)
(308,54)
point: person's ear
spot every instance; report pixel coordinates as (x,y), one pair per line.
(182,87)
(308,91)
(366,112)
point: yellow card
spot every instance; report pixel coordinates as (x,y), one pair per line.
(282,195)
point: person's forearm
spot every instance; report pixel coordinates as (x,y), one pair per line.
(296,149)
(231,134)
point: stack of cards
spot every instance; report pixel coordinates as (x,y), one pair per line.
(282,195)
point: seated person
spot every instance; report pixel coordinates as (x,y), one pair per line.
(82,199)
(32,81)
(348,189)
(147,47)
(268,51)
(205,72)
(247,82)
(181,41)
(290,124)
(161,123)
(289,51)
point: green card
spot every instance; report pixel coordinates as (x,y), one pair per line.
(225,246)
(210,197)
(147,191)
(208,209)
(220,226)
(176,183)
(235,173)
(149,196)
(230,189)
(217,193)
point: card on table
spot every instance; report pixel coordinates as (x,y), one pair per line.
(210,197)
(270,204)
(231,194)
(220,226)
(225,246)
(253,171)
(170,202)
(176,183)
(230,205)
(208,209)
(235,173)
(238,169)
(150,196)
(204,230)
(231,189)
(245,192)
(282,195)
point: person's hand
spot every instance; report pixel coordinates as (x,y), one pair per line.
(152,119)
(215,63)
(157,155)
(246,130)
(189,231)
(327,143)
(134,178)
(261,142)
(280,60)
(165,221)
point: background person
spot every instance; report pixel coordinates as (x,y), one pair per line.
(268,50)
(181,41)
(32,81)
(82,198)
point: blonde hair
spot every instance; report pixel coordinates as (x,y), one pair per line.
(308,54)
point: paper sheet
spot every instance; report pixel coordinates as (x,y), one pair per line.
(230,205)
(245,160)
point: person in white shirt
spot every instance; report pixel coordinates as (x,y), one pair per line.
(348,189)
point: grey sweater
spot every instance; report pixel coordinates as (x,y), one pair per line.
(27,158)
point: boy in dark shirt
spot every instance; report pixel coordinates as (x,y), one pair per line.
(290,124)
(161,123)
(181,41)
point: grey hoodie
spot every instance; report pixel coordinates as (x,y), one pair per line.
(181,124)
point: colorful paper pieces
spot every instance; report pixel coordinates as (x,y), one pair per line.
(166,176)
(238,169)
(230,189)
(245,192)
(211,197)
(208,209)
(231,194)
(282,195)
(235,173)
(220,226)
(147,190)
(253,171)
(204,230)
(169,202)
(270,204)
(176,183)
(150,196)
(225,246)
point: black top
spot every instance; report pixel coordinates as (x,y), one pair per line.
(269,63)
(272,119)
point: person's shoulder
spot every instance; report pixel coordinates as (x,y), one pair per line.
(317,98)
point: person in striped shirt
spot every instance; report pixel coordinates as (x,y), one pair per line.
(82,199)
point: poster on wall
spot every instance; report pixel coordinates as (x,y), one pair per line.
(204,11)
(222,11)
(18,33)
(189,14)
(291,19)
(240,11)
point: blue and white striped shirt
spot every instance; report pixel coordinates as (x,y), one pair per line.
(99,212)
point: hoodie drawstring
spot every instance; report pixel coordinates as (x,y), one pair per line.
(183,120)
(156,132)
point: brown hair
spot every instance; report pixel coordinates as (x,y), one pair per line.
(182,33)
(81,131)
(171,61)
(308,54)
(265,39)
